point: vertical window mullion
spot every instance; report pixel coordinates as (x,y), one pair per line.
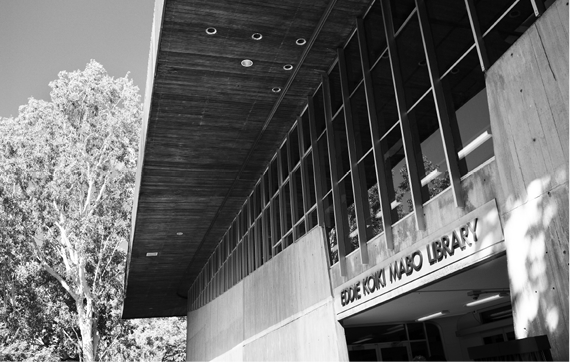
(381,176)
(538,7)
(410,144)
(358,179)
(281,211)
(318,171)
(227,271)
(445,115)
(303,168)
(292,186)
(341,219)
(265,237)
(477,35)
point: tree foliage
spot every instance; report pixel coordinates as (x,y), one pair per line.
(67,171)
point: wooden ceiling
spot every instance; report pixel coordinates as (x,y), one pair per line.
(214,125)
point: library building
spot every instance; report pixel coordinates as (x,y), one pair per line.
(356,180)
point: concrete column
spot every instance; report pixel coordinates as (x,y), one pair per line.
(528,98)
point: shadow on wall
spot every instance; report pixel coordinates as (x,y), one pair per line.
(536,237)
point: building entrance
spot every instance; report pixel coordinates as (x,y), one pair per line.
(380,352)
(439,321)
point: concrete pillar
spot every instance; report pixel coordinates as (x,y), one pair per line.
(528,98)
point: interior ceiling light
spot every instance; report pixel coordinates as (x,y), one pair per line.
(486,300)
(180,233)
(367,338)
(246,63)
(276,89)
(287,67)
(152,254)
(256,36)
(301,41)
(211,31)
(432,316)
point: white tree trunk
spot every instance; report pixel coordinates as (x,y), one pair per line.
(88,326)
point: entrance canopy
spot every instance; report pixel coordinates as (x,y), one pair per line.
(450,294)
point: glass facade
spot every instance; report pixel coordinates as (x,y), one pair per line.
(401,116)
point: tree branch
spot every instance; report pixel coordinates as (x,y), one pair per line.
(41,257)
(100,259)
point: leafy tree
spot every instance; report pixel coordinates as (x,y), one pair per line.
(152,339)
(67,171)
(436,186)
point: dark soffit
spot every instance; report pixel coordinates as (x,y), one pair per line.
(213,126)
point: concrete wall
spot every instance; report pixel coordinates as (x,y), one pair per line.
(282,311)
(528,98)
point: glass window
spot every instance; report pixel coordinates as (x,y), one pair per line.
(286,209)
(266,189)
(257,201)
(412,62)
(300,229)
(374,222)
(516,21)
(312,219)
(401,10)
(435,174)
(341,144)
(353,66)
(319,110)
(451,30)
(324,163)
(384,96)
(335,90)
(362,137)
(294,147)
(330,228)
(276,218)
(375,34)
(274,183)
(472,130)
(310,180)
(347,202)
(306,131)
(266,234)
(398,186)
(299,210)
(284,163)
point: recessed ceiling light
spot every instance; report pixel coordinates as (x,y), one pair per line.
(287,67)
(432,316)
(246,63)
(422,62)
(276,89)
(514,14)
(454,71)
(301,41)
(152,254)
(385,55)
(487,300)
(180,233)
(256,36)
(211,31)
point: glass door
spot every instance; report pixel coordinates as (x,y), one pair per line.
(394,352)
(362,353)
(399,351)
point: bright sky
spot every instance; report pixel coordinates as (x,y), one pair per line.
(39,38)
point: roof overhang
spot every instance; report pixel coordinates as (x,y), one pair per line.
(211,126)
